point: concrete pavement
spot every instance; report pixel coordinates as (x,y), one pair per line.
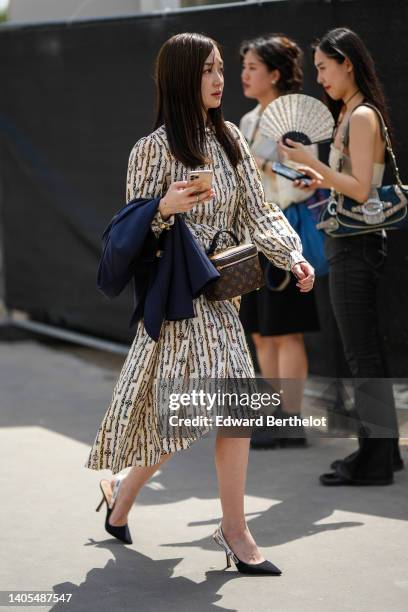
(339,549)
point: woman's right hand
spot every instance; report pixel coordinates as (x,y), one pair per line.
(182,198)
(315,179)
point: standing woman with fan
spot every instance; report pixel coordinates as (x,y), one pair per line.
(276,318)
(346,71)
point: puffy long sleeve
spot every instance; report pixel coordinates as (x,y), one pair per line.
(148,174)
(268,227)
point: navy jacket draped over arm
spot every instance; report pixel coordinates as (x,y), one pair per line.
(164,286)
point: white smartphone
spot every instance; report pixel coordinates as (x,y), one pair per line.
(203,178)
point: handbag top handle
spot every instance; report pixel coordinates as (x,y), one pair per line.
(214,241)
(232,231)
(385,135)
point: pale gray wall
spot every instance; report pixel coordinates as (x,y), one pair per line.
(55,10)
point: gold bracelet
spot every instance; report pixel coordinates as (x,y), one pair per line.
(162,223)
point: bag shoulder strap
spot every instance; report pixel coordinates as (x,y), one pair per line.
(384,133)
(241,192)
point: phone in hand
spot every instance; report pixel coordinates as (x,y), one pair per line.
(290,173)
(203,178)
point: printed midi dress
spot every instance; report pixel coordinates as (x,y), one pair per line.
(211,345)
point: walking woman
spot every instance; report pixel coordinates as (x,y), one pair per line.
(347,73)
(191,133)
(277,320)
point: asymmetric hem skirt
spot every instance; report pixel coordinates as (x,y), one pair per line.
(210,346)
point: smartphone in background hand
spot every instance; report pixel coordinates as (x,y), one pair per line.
(290,173)
(203,178)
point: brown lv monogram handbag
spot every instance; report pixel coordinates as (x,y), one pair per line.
(239,268)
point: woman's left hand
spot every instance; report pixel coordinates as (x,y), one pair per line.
(304,272)
(296,152)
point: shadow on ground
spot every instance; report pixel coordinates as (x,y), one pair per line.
(130,581)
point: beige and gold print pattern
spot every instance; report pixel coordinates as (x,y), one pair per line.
(210,345)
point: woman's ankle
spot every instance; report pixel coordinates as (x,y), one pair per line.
(234,529)
(121,505)
(117,520)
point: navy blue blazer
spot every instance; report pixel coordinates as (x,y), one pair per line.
(165,286)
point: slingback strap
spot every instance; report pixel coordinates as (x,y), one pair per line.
(219,537)
(118,481)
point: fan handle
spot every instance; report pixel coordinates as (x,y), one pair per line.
(296,137)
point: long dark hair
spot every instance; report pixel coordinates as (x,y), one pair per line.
(278,52)
(341,43)
(179,69)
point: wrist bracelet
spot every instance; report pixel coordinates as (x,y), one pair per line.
(162,223)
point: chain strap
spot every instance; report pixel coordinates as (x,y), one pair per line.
(241,192)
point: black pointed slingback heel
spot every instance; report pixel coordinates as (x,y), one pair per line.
(122,532)
(264,568)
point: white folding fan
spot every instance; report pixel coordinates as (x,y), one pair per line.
(298,117)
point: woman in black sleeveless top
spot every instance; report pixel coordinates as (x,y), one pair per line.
(346,71)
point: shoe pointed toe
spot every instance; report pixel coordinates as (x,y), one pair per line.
(122,532)
(265,568)
(127,537)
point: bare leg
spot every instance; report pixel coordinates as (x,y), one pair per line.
(231,460)
(292,364)
(267,355)
(284,357)
(129,489)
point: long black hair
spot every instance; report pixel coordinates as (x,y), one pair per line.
(342,43)
(179,69)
